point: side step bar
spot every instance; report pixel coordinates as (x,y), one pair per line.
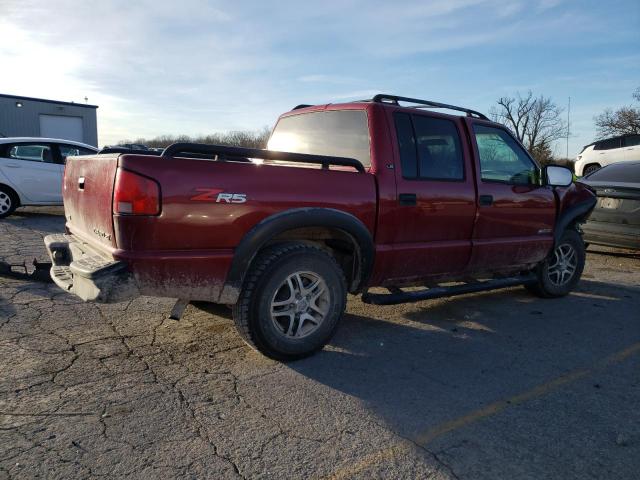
(399,296)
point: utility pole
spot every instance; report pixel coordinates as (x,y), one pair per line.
(568,124)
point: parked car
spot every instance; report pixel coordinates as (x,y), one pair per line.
(31,170)
(615,221)
(377,193)
(625,148)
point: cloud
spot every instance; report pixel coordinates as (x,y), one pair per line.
(159,67)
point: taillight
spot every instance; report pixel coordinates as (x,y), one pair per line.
(134,194)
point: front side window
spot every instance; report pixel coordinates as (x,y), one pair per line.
(31,151)
(502,159)
(429,147)
(73,151)
(339,133)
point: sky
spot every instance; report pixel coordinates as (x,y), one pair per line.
(196,67)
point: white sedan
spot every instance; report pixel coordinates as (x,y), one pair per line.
(31,170)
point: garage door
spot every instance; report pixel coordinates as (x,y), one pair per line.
(58,126)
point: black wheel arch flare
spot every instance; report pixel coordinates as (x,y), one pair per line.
(274,225)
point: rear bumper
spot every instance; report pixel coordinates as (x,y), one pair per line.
(78,269)
(612,234)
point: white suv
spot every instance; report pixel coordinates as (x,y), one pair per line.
(603,152)
(31,170)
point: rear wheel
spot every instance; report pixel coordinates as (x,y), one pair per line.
(8,202)
(559,273)
(292,300)
(592,167)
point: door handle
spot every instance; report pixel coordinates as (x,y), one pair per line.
(408,199)
(486,200)
(13,165)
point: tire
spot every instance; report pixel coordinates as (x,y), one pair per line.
(560,272)
(592,167)
(291,302)
(8,202)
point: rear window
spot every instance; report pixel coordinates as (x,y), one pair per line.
(339,133)
(618,172)
(607,144)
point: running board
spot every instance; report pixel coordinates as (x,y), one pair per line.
(399,296)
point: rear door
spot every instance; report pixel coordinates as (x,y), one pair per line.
(32,169)
(631,147)
(516,214)
(435,196)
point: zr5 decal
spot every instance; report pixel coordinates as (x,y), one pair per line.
(218,195)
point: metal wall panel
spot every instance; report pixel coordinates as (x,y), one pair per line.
(24,121)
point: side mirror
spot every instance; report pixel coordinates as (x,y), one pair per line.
(558,176)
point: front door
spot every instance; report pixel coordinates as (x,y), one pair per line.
(435,197)
(516,214)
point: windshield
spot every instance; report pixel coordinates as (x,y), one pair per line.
(339,133)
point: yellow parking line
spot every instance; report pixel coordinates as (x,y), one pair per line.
(347,471)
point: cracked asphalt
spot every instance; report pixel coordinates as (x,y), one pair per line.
(485,386)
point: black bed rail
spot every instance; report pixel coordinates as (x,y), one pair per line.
(394,99)
(222,153)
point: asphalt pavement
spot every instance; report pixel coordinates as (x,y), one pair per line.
(497,385)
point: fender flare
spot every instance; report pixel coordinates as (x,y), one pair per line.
(576,213)
(268,228)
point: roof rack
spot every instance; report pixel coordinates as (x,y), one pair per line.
(221,153)
(394,99)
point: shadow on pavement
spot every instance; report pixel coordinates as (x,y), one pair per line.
(419,366)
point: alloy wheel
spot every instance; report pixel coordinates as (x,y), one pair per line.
(5,202)
(563,265)
(300,305)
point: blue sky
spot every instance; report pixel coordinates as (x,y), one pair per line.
(159,67)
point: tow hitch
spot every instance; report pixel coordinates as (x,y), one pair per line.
(39,274)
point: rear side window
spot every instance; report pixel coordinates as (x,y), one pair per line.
(406,145)
(607,144)
(631,140)
(617,172)
(429,147)
(34,152)
(340,133)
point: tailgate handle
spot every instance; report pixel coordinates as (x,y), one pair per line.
(408,199)
(486,200)
(81,183)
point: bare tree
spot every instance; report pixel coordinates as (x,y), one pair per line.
(623,121)
(242,138)
(536,121)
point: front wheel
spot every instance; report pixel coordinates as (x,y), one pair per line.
(292,300)
(559,273)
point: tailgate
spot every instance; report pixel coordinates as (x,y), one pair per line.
(87,193)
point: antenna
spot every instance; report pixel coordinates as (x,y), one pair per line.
(568,124)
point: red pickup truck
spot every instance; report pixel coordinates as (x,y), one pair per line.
(376,193)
